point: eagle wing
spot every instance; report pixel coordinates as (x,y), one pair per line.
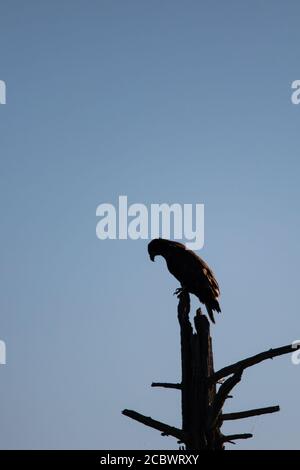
(193,273)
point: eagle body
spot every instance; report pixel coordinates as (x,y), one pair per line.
(190,270)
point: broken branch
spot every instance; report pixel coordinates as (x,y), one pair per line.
(249,413)
(166,385)
(222,394)
(165,429)
(234,437)
(252,360)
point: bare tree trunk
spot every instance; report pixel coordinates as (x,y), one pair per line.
(197,392)
(201,402)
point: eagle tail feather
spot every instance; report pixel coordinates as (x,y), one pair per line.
(214,305)
(210,313)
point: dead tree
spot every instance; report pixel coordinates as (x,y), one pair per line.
(204,391)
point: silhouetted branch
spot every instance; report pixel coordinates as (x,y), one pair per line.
(249,413)
(165,429)
(166,385)
(222,394)
(234,437)
(251,361)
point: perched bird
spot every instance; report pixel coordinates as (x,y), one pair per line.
(190,270)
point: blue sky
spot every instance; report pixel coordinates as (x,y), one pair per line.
(171,101)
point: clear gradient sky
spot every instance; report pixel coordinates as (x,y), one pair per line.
(163,101)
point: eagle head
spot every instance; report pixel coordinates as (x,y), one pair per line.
(154,248)
(162,247)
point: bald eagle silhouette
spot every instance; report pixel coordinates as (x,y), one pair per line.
(190,270)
